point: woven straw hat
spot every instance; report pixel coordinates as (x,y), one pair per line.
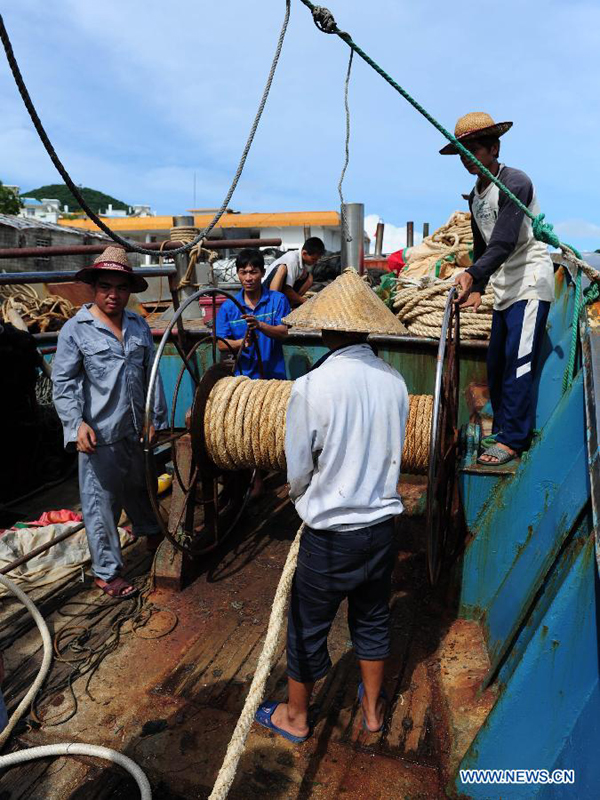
(113,259)
(347,304)
(472,125)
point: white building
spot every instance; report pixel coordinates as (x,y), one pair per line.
(45,210)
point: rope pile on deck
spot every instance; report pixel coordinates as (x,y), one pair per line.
(421,309)
(20,304)
(244,426)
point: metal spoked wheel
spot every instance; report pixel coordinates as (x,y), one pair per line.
(442,516)
(206,502)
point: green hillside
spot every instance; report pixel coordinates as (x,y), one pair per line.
(97,201)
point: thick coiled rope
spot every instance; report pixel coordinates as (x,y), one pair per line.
(421,309)
(244,426)
(185,233)
(20,302)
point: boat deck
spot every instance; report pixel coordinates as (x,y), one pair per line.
(169,695)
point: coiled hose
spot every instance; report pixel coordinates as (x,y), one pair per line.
(67,749)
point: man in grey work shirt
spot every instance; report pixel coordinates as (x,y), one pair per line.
(100,375)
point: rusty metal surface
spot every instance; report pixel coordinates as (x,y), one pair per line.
(66,276)
(90,249)
(172,703)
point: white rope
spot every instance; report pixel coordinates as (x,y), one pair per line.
(77,749)
(68,748)
(46,660)
(420,304)
(257,687)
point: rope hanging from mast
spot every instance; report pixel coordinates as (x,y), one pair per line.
(131,246)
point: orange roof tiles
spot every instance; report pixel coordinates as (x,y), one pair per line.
(277,219)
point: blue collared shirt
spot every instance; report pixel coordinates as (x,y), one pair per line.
(99,380)
(271,308)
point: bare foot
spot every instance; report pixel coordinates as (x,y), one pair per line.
(281,718)
(374,722)
(493,459)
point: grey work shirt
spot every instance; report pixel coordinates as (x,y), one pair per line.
(99,380)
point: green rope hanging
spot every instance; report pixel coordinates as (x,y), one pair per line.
(542,231)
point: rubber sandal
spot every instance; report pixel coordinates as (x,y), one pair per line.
(116,588)
(498,452)
(360,694)
(263,716)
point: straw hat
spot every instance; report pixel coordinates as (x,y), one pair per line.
(113,259)
(473,125)
(347,304)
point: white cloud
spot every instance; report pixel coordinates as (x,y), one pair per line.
(576,228)
(394,236)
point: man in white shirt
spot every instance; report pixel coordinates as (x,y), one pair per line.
(291,275)
(345,429)
(521,275)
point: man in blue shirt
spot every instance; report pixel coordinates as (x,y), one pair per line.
(100,374)
(264,310)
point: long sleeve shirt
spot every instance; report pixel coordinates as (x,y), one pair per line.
(505,252)
(345,430)
(102,381)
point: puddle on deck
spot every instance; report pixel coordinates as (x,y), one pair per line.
(171,703)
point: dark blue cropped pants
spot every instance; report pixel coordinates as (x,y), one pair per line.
(515,340)
(332,566)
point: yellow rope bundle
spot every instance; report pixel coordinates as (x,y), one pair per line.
(20,303)
(446,251)
(244,426)
(421,308)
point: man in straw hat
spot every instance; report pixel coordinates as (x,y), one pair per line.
(521,275)
(344,434)
(100,374)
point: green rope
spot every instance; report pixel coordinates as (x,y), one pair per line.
(542,231)
(579,303)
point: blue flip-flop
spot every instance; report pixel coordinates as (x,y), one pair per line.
(263,716)
(361,693)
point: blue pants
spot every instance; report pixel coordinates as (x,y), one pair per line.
(517,334)
(110,480)
(331,566)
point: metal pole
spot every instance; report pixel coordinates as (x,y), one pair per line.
(181,264)
(353,252)
(66,276)
(410,234)
(379,238)
(425,230)
(306,232)
(91,249)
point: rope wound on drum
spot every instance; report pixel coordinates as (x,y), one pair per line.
(245,424)
(542,230)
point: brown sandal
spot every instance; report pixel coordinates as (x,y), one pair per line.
(118,588)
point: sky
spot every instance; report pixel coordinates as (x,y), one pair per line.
(140,97)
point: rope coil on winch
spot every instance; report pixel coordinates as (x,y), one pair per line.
(245,423)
